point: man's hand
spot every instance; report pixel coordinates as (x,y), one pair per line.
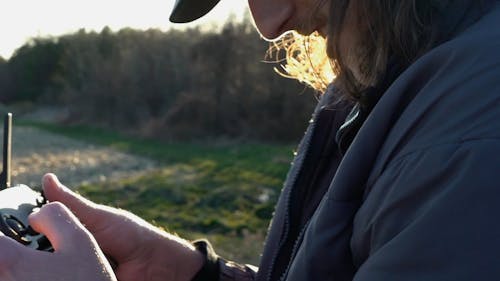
(76,255)
(141,251)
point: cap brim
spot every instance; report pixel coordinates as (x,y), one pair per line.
(190,10)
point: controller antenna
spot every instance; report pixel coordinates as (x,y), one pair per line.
(7,149)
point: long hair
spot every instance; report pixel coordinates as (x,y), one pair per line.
(400,30)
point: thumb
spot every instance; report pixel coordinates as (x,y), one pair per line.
(64,231)
(86,210)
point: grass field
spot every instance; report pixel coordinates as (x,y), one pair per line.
(223,192)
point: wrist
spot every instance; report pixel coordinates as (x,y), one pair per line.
(174,258)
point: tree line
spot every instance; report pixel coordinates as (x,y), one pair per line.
(174,84)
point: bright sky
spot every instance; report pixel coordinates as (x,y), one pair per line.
(22,19)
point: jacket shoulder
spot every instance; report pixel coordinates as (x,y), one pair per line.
(455,93)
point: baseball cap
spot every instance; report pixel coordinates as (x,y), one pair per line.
(190,10)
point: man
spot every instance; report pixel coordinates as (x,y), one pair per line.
(395,179)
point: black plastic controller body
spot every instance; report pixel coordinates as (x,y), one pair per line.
(16,204)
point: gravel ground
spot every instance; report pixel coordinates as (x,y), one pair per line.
(36,152)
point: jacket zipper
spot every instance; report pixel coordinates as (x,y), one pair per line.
(298,240)
(305,147)
(294,251)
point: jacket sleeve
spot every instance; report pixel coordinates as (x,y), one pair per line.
(437,216)
(218,269)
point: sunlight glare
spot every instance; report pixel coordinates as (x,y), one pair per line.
(24,19)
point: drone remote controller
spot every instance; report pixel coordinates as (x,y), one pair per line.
(18,202)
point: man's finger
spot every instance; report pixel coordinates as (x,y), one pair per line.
(62,228)
(83,208)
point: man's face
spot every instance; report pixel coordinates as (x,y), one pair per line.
(275,17)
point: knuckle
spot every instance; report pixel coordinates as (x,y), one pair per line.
(80,236)
(55,207)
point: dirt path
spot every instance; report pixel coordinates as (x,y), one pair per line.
(36,152)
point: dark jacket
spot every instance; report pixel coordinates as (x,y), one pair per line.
(417,193)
